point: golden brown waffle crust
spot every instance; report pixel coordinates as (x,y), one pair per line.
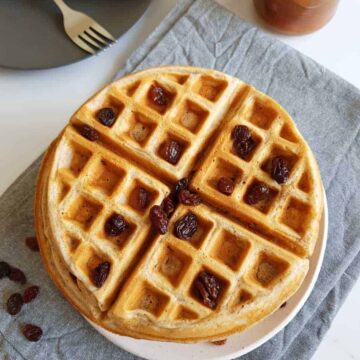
(205,328)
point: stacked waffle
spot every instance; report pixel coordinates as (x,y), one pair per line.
(178,204)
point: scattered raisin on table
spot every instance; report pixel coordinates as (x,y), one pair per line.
(241,133)
(89,133)
(208,288)
(186,226)
(171,151)
(14,304)
(31,243)
(143,198)
(159,96)
(100,273)
(106,116)
(188,198)
(225,185)
(280,170)
(168,205)
(30,293)
(159,219)
(256,193)
(219,342)
(4,269)
(115,225)
(17,275)
(32,332)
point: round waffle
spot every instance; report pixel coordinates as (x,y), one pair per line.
(256,252)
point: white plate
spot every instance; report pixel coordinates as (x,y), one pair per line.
(238,344)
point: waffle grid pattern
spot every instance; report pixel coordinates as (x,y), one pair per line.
(190,119)
(103,185)
(289,204)
(229,252)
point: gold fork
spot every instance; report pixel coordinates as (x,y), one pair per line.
(84,31)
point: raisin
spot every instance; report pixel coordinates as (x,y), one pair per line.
(30,294)
(115,225)
(106,116)
(159,219)
(100,273)
(142,198)
(241,133)
(159,96)
(243,142)
(225,185)
(188,198)
(89,133)
(4,269)
(257,193)
(170,201)
(283,305)
(14,304)
(219,342)
(186,226)
(171,151)
(32,332)
(168,205)
(32,243)
(244,148)
(17,275)
(182,184)
(280,170)
(208,288)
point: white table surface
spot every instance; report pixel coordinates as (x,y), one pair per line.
(35,105)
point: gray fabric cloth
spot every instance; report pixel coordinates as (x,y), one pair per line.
(327,112)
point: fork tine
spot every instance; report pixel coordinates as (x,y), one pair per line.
(89,41)
(96,37)
(102,32)
(81,44)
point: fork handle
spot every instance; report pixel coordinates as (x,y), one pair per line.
(62,6)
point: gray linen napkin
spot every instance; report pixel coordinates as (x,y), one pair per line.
(327,112)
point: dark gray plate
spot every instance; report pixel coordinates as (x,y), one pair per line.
(32,34)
